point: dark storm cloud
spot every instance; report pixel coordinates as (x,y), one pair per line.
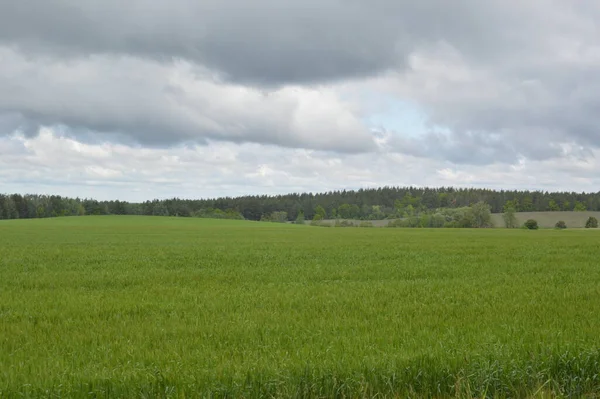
(268,41)
(265,41)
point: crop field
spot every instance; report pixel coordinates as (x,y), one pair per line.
(179,307)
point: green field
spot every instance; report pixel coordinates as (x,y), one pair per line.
(174,307)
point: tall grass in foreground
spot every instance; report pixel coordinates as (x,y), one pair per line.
(159,307)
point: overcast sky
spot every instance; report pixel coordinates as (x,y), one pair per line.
(146,99)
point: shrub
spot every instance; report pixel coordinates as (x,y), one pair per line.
(344,223)
(592,223)
(365,224)
(395,223)
(457,217)
(453,224)
(413,221)
(276,217)
(437,220)
(319,223)
(531,224)
(561,224)
(211,213)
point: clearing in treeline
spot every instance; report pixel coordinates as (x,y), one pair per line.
(181,307)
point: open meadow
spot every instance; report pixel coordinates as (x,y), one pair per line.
(131,306)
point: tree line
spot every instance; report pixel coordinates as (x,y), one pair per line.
(364,204)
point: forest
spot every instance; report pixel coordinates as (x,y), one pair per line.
(364,204)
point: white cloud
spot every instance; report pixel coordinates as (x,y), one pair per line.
(57,165)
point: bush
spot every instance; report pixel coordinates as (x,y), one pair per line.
(344,223)
(276,217)
(437,220)
(413,221)
(365,224)
(561,225)
(592,223)
(395,223)
(211,213)
(531,224)
(319,223)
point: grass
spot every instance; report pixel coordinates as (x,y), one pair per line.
(168,307)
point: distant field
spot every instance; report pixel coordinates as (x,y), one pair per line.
(549,219)
(544,219)
(182,307)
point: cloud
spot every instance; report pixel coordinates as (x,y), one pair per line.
(117,171)
(526,105)
(266,42)
(491,85)
(274,42)
(167,103)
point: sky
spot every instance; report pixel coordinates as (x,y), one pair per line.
(153,99)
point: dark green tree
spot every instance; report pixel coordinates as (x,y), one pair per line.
(531,224)
(591,223)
